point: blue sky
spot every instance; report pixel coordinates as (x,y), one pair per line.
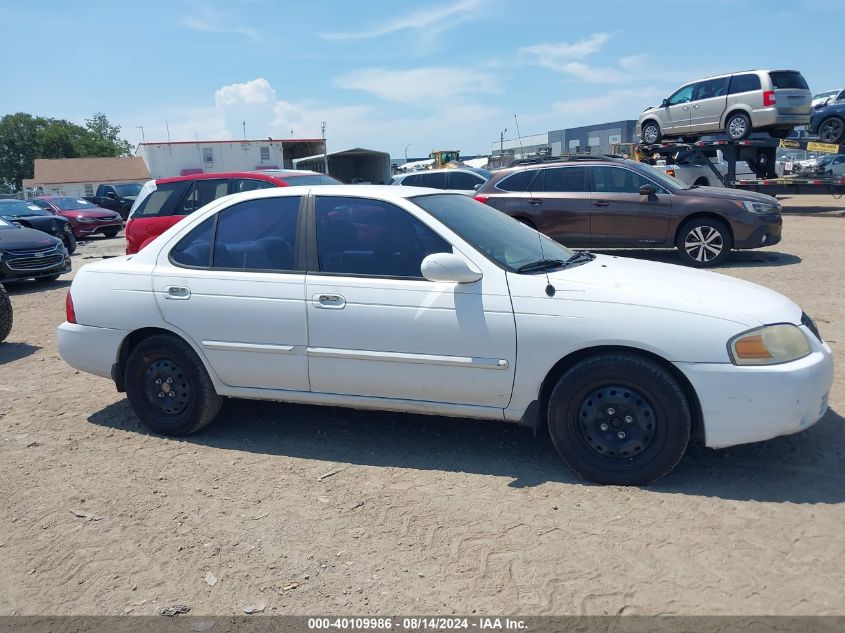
(383,75)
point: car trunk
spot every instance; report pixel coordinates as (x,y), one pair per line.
(792,96)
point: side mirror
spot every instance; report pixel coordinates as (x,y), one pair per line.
(111,195)
(478,186)
(647,190)
(664,103)
(448,267)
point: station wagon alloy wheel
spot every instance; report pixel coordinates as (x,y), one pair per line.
(704,244)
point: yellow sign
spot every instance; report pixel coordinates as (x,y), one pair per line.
(823,147)
(786,144)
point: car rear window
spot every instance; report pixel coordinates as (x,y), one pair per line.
(744,83)
(517,181)
(161,201)
(788,80)
(310,179)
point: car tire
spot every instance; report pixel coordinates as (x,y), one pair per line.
(783,132)
(832,130)
(651,133)
(704,242)
(48,279)
(6,316)
(69,240)
(619,418)
(165,364)
(111,232)
(738,126)
(701,182)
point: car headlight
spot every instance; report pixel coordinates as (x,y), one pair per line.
(761,208)
(83,218)
(769,345)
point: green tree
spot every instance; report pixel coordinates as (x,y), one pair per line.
(103,138)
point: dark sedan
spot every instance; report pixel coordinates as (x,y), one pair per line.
(27,253)
(32,216)
(829,123)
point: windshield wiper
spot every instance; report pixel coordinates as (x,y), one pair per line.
(581,256)
(542,264)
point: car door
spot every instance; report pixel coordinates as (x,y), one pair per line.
(708,103)
(234,285)
(377,328)
(620,215)
(464,181)
(559,204)
(434,180)
(678,111)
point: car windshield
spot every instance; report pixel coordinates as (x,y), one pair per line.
(670,182)
(310,179)
(127,190)
(502,239)
(6,225)
(19,209)
(70,204)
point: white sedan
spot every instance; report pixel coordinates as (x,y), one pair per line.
(408,299)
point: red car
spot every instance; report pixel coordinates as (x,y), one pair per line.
(164,202)
(85,218)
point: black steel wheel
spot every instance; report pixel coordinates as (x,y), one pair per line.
(704,242)
(832,130)
(169,387)
(738,126)
(6,316)
(69,239)
(618,418)
(651,133)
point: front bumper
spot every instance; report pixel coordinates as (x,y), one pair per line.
(90,349)
(82,229)
(767,234)
(751,404)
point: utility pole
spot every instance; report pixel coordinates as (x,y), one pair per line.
(244,124)
(502,147)
(406,152)
(143,138)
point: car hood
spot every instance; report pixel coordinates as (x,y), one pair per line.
(99,214)
(637,282)
(19,238)
(724,193)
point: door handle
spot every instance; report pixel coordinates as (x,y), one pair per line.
(696,107)
(601,203)
(331,302)
(685,108)
(177,292)
(535,201)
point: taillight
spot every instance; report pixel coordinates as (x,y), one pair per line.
(670,172)
(481,199)
(70,313)
(769,98)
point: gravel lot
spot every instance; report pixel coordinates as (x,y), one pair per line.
(319,510)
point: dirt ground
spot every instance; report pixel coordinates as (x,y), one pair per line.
(308,510)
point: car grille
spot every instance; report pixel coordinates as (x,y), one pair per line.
(34,259)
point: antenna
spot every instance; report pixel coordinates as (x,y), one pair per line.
(169,146)
(550,289)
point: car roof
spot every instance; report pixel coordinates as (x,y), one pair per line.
(378,192)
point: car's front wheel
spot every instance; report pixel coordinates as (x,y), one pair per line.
(619,418)
(832,130)
(738,126)
(704,242)
(169,387)
(5,314)
(69,239)
(651,133)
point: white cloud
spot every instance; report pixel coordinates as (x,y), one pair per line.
(553,55)
(205,19)
(415,85)
(434,20)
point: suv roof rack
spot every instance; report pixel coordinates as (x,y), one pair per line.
(564,159)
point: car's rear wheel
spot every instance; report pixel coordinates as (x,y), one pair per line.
(704,242)
(111,232)
(168,386)
(619,418)
(832,130)
(6,317)
(738,126)
(651,133)
(69,239)
(782,132)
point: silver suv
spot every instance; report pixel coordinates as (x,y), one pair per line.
(737,104)
(461,179)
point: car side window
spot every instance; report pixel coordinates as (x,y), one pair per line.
(434,181)
(619,180)
(161,201)
(249,184)
(464,181)
(194,250)
(201,193)
(710,89)
(517,181)
(257,235)
(359,236)
(744,83)
(562,180)
(410,181)
(684,95)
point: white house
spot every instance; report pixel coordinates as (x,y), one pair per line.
(81,176)
(181,158)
